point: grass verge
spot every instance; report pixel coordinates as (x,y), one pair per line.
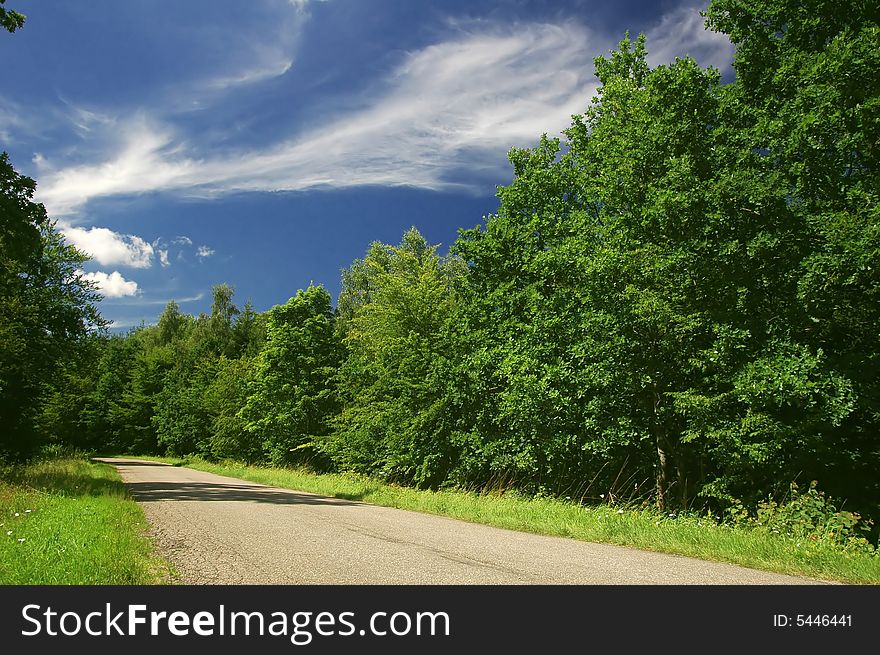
(688,535)
(66,521)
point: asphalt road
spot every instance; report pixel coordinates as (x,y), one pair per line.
(219,530)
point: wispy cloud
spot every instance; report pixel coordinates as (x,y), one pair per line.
(84,120)
(141,300)
(444,117)
(129,171)
(111,285)
(204,252)
(134,309)
(274,64)
(14,121)
(681,32)
(463,101)
(109,248)
(163,258)
(263,49)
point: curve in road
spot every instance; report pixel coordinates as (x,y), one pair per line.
(220,530)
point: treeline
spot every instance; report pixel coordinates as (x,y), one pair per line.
(676,303)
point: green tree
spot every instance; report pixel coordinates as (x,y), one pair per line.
(292,396)
(223,400)
(68,414)
(173,326)
(397,303)
(10,20)
(806,106)
(636,297)
(248,333)
(47,308)
(182,424)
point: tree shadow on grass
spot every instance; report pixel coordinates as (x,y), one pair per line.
(67,480)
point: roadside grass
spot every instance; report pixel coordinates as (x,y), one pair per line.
(66,521)
(688,535)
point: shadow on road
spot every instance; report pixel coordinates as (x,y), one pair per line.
(127,462)
(146,491)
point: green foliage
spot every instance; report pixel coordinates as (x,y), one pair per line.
(646,300)
(10,20)
(47,309)
(182,426)
(396,304)
(805,107)
(292,396)
(808,516)
(592,290)
(173,326)
(223,400)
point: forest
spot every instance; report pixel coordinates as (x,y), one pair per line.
(676,304)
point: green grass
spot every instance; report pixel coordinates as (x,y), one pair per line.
(67,521)
(692,536)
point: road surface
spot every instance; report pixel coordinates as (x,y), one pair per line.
(220,530)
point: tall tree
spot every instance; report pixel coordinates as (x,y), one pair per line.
(47,308)
(292,397)
(638,292)
(806,105)
(398,302)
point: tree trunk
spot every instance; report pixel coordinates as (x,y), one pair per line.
(681,471)
(662,480)
(662,475)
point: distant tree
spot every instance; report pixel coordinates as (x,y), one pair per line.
(248,332)
(223,400)
(181,422)
(69,414)
(172,325)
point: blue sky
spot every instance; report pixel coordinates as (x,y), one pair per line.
(266,144)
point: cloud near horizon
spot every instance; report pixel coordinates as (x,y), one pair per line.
(111,285)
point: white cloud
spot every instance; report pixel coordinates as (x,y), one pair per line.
(182,241)
(65,190)
(109,248)
(459,103)
(682,32)
(163,258)
(447,114)
(301,5)
(121,324)
(203,252)
(11,120)
(261,46)
(275,64)
(85,121)
(112,285)
(164,301)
